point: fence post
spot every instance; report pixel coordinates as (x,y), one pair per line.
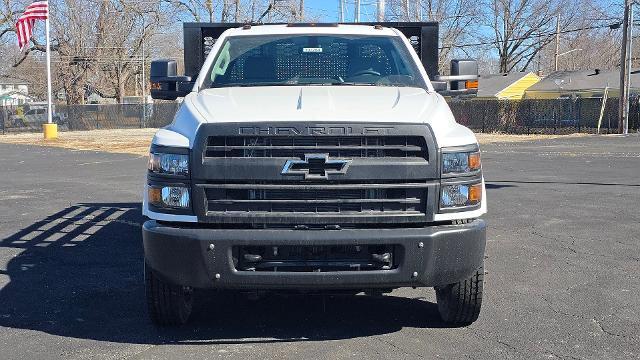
(579,112)
(555,119)
(484,115)
(4,118)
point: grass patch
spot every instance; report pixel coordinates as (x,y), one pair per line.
(137,141)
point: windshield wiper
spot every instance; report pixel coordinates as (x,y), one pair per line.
(349,83)
(251,84)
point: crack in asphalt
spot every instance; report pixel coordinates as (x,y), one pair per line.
(572,239)
(594,320)
(526,350)
(400,348)
(141,352)
(608,332)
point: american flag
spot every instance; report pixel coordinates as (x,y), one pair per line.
(39,10)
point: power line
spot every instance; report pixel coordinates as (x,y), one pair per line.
(610,26)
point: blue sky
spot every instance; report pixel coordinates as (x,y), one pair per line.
(327,10)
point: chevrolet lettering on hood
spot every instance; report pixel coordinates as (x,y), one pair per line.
(316,130)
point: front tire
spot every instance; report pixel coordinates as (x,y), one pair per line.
(168,304)
(459,303)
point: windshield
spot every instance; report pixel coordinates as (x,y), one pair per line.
(280,60)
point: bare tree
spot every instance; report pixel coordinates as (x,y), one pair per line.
(458,20)
(520,29)
(195,10)
(593,44)
(523,32)
(7,17)
(236,10)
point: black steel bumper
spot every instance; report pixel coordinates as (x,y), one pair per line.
(202,257)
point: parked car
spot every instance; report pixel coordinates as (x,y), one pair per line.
(33,118)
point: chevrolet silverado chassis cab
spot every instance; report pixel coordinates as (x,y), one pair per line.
(313,158)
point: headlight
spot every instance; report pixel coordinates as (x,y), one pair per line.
(176,197)
(169,164)
(460,162)
(460,195)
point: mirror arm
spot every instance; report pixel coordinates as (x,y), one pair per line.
(456,77)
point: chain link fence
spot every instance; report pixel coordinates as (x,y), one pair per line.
(88,117)
(534,116)
(557,116)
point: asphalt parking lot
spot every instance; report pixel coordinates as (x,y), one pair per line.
(563,263)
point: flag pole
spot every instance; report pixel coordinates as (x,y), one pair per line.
(50,129)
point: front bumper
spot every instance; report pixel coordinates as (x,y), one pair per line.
(203,258)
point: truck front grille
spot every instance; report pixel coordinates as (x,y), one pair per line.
(309,198)
(271,175)
(242,146)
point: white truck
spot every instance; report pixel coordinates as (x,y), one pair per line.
(313,158)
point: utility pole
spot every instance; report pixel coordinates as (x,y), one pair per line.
(629,68)
(253,10)
(625,64)
(381,10)
(341,10)
(144,90)
(539,73)
(236,15)
(557,54)
(357,11)
(301,11)
(405,10)
(224,15)
(418,10)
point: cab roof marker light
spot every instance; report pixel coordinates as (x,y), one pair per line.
(295,25)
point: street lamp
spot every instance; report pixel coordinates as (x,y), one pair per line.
(557,56)
(568,52)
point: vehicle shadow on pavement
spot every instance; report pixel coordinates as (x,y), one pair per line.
(79,273)
(494,186)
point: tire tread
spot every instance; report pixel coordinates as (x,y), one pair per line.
(460,303)
(166,302)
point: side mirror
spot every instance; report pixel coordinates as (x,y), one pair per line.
(165,82)
(462,81)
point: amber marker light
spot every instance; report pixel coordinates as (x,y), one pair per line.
(155,195)
(471,84)
(475,193)
(474,161)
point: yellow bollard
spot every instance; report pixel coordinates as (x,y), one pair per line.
(50,131)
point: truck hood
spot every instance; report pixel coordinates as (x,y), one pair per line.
(314,103)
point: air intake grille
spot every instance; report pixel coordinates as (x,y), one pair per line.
(284,201)
(298,146)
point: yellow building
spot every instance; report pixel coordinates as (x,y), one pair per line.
(511,86)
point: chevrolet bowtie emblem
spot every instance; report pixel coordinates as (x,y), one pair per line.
(316,166)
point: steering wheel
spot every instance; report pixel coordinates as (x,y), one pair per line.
(367,72)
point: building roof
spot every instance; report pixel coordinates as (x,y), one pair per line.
(584,80)
(14,95)
(494,85)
